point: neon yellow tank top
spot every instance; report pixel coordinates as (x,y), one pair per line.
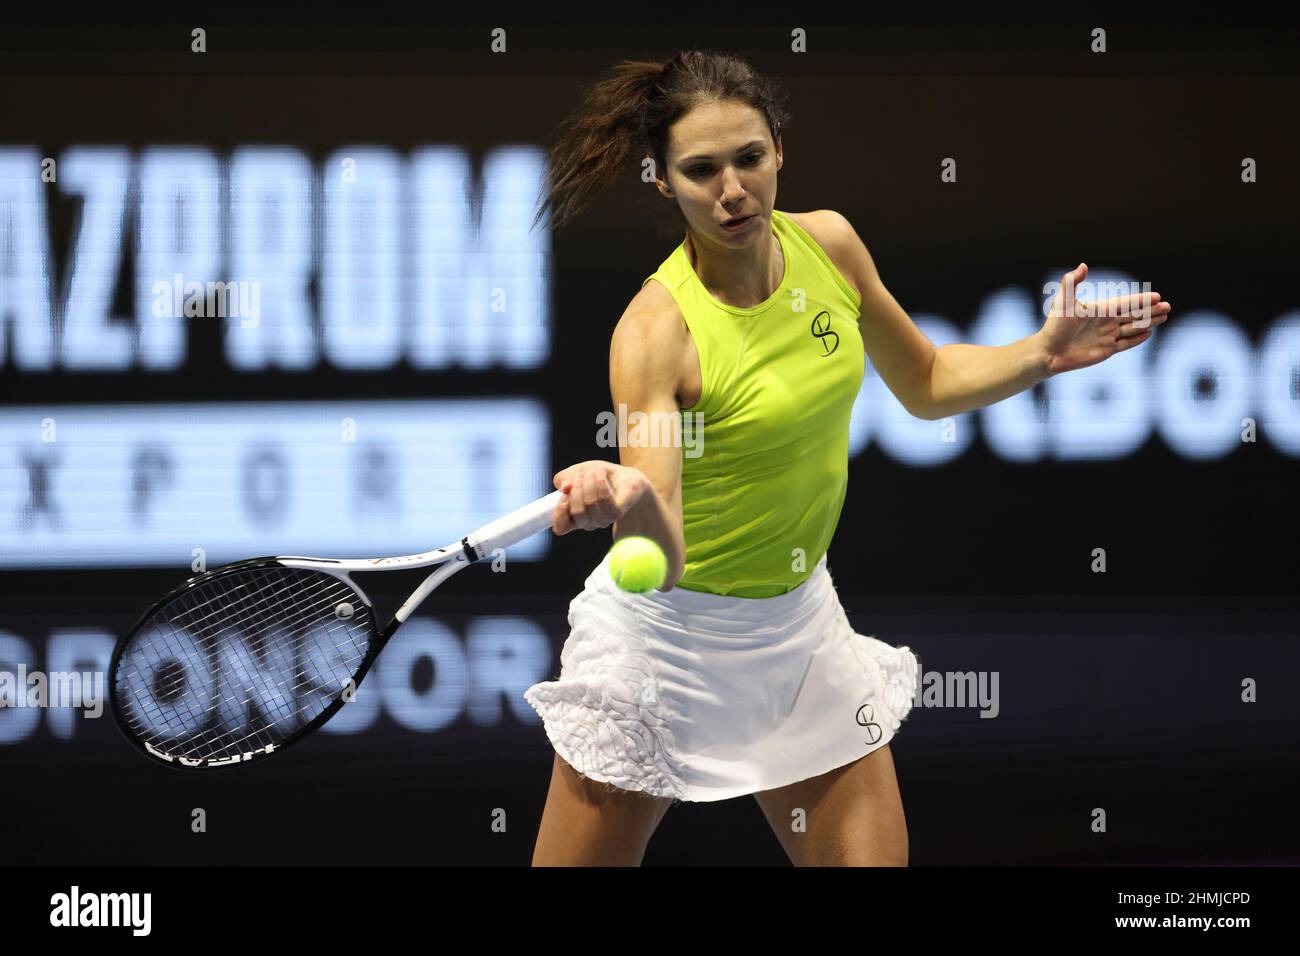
(765,449)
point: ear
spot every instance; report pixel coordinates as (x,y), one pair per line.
(661,182)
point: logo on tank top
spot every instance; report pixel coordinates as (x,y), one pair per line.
(866,718)
(822,330)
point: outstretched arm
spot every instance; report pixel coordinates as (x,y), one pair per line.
(1074,335)
(933,383)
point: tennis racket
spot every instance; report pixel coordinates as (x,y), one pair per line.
(243,660)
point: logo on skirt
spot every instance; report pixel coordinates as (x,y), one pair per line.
(866,718)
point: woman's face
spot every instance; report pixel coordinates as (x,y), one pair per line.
(722,163)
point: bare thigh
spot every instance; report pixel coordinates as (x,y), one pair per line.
(853,815)
(588,823)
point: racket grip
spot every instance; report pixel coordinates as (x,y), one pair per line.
(514,527)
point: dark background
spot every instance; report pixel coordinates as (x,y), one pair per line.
(1119,690)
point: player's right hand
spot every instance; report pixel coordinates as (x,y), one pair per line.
(596,494)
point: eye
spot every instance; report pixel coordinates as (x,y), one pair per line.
(702,170)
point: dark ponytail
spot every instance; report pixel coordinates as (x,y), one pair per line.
(630,111)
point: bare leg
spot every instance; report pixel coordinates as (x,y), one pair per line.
(584,823)
(854,815)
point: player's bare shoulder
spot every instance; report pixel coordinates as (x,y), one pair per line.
(824,225)
(654,303)
(652,340)
(835,234)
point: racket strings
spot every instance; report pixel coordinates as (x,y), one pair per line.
(259,645)
(257,623)
(255,634)
(227,662)
(196,741)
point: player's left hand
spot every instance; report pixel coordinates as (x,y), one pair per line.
(1078,334)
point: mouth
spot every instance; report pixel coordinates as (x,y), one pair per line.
(737,223)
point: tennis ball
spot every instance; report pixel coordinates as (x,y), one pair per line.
(637,564)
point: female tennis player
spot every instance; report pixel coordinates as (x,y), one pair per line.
(741,673)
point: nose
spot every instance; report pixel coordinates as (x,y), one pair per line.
(732,191)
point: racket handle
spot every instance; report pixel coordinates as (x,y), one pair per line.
(519,524)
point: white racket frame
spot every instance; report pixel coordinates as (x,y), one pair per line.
(499,533)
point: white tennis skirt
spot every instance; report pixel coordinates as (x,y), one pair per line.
(699,697)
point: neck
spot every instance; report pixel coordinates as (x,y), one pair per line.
(743,277)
